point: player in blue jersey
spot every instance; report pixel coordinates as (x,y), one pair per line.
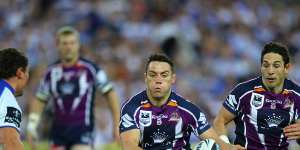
(70,84)
(262,107)
(13,78)
(158,118)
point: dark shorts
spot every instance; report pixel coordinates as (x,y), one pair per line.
(71,135)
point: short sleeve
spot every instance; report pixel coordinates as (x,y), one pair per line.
(102,81)
(127,121)
(43,91)
(202,124)
(10,115)
(231,102)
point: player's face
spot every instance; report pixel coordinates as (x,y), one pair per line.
(273,70)
(23,76)
(159,79)
(68,46)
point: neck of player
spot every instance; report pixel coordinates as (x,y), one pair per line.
(158,101)
(70,62)
(276,89)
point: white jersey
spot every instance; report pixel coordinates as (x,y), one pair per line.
(10,112)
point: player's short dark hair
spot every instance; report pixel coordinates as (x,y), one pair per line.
(161,58)
(10,61)
(277,48)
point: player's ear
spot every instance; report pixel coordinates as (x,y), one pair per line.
(145,76)
(20,73)
(287,68)
(173,78)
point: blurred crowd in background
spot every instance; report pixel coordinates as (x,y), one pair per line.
(215,44)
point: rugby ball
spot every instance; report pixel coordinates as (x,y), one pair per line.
(207,144)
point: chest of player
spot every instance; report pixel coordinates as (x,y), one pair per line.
(157,117)
(267,100)
(71,81)
(161,127)
(269,112)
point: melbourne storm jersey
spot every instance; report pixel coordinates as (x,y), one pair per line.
(10,112)
(261,115)
(73,90)
(165,127)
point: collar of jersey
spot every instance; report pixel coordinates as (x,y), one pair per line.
(170,103)
(262,87)
(3,83)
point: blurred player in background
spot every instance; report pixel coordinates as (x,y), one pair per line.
(71,83)
(262,108)
(158,118)
(13,78)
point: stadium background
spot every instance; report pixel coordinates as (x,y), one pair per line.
(214,43)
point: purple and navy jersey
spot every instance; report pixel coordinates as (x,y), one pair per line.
(72,90)
(165,127)
(261,115)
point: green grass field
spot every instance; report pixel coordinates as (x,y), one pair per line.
(44,146)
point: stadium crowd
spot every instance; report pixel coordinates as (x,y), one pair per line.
(215,44)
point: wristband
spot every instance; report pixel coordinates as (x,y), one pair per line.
(224,138)
(33,120)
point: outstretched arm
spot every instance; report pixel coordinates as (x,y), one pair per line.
(220,122)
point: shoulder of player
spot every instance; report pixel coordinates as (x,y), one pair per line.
(7,95)
(185,105)
(246,86)
(293,86)
(134,102)
(52,66)
(89,65)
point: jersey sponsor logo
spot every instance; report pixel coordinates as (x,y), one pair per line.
(127,121)
(13,115)
(145,118)
(273,101)
(159,118)
(257,100)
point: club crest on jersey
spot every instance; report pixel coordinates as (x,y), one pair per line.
(174,116)
(257,100)
(288,103)
(145,118)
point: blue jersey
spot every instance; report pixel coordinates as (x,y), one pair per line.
(72,90)
(165,127)
(10,112)
(261,115)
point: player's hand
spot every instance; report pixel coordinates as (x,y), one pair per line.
(33,121)
(292,132)
(237,147)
